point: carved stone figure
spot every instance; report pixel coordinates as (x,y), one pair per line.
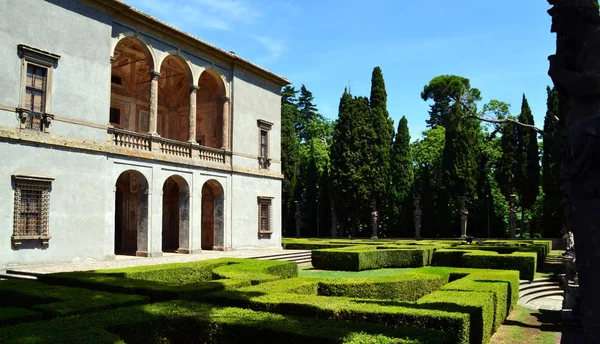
(512,215)
(575,70)
(464,213)
(417,217)
(374,217)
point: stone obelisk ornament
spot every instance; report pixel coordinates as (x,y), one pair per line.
(575,71)
(417,217)
(464,213)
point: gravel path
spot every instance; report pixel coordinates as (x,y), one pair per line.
(128,261)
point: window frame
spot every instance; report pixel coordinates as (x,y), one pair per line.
(264,161)
(40,184)
(37,58)
(268,202)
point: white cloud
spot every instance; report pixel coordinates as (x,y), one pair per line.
(274,47)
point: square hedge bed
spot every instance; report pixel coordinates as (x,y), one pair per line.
(467,310)
(190,322)
(183,281)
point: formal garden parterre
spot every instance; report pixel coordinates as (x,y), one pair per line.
(357,291)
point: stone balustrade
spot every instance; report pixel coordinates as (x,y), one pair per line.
(146,142)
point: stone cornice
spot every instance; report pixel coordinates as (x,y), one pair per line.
(123,12)
(39,138)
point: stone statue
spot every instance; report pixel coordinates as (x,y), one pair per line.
(417,217)
(512,215)
(374,217)
(463,212)
(575,71)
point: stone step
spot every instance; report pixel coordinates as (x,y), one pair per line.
(282,256)
(548,293)
(7,275)
(524,287)
(539,289)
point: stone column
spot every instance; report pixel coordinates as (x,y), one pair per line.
(153,121)
(226,110)
(463,212)
(374,217)
(417,217)
(512,215)
(192,117)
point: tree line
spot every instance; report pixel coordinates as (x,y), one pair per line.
(338,172)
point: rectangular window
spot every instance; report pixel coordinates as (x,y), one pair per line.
(115,116)
(35,110)
(35,95)
(264,215)
(31,207)
(263,144)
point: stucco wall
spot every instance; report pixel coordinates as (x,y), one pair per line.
(77,203)
(246,191)
(81,36)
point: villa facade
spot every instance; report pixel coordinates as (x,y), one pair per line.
(120,134)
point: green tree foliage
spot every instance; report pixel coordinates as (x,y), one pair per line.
(427,155)
(324,211)
(311,196)
(553,209)
(308,113)
(289,158)
(507,163)
(401,170)
(445,91)
(379,151)
(527,174)
(453,100)
(351,163)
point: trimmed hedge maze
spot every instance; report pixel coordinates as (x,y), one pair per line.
(357,255)
(240,300)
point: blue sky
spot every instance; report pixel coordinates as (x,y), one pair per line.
(501,46)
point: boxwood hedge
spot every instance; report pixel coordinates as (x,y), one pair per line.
(181,321)
(370,258)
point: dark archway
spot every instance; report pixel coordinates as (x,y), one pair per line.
(212,236)
(131,214)
(175,219)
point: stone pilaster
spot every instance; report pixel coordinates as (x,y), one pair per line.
(192,117)
(226,115)
(153,121)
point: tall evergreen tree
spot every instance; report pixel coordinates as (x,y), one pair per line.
(324,225)
(401,171)
(445,91)
(289,158)
(307,113)
(351,163)
(383,128)
(553,209)
(311,196)
(527,175)
(507,163)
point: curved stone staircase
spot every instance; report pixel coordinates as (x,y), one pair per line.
(541,293)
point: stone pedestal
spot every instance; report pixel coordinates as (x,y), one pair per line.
(417,217)
(374,218)
(463,212)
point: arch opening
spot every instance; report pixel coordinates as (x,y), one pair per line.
(175,219)
(131,214)
(130,86)
(209,111)
(173,99)
(213,217)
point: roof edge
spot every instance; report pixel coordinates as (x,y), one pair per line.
(120,10)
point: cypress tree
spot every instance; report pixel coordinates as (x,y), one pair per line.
(379,150)
(507,163)
(307,112)
(401,170)
(341,164)
(289,158)
(324,203)
(553,210)
(311,194)
(527,174)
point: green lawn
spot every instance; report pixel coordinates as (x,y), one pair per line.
(309,271)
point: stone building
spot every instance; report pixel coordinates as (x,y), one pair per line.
(120,134)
